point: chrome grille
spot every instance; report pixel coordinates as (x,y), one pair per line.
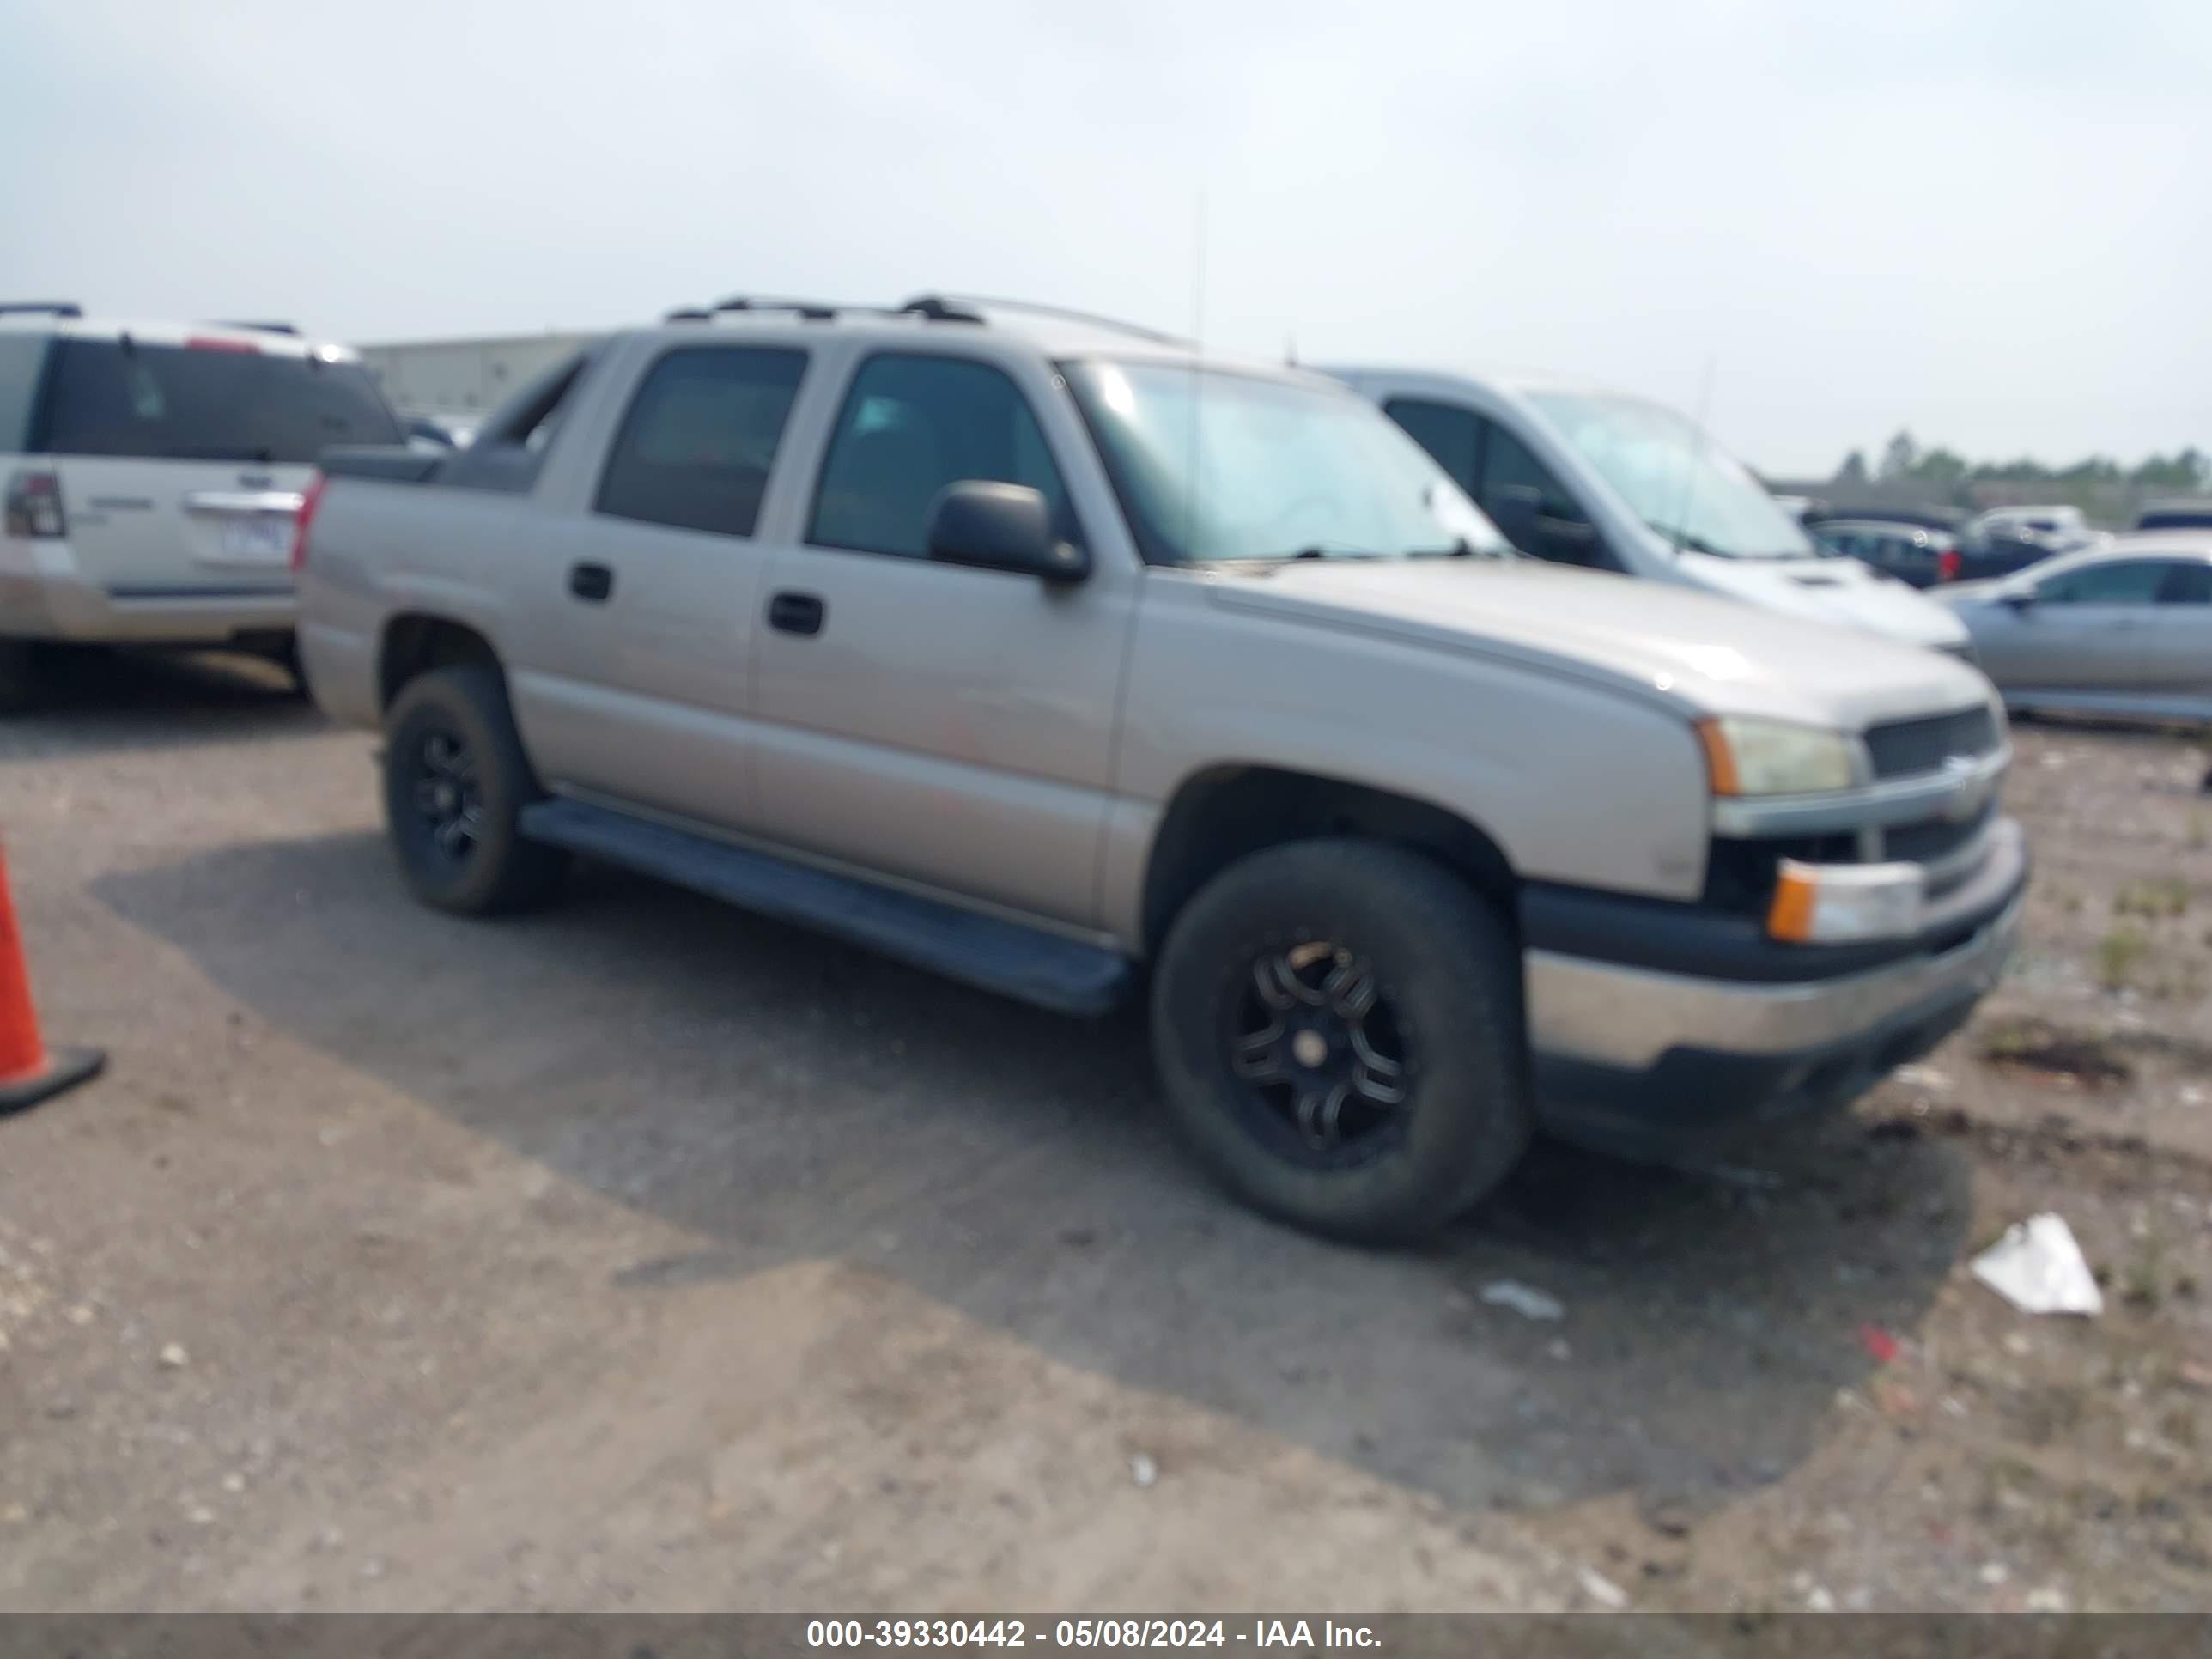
(1904,747)
(1936,840)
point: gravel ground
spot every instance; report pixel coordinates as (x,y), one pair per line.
(644,1254)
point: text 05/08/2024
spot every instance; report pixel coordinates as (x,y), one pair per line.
(1128,1632)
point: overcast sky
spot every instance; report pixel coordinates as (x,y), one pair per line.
(1988,219)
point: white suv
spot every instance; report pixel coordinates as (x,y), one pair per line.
(151,474)
(1578,475)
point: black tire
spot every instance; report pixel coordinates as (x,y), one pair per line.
(452,728)
(1444,970)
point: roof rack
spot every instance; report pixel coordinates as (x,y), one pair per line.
(969,307)
(41,307)
(931,307)
(823,311)
(938,309)
(814,311)
(260,328)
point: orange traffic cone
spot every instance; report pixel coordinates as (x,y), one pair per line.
(29,1071)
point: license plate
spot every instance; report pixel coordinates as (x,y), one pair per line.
(263,539)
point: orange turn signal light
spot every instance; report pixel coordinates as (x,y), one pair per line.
(1791,917)
(1720,760)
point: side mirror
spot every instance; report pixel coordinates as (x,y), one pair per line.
(1001,526)
(1571,542)
(1513,510)
(2022,602)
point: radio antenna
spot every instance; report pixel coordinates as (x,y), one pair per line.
(1197,382)
(1681,525)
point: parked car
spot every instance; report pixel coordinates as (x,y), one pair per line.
(2120,630)
(2004,540)
(2000,552)
(1917,556)
(2061,522)
(1580,476)
(2176,515)
(916,626)
(151,473)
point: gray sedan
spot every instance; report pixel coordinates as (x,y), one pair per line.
(2126,630)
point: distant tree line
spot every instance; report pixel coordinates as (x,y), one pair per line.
(2097,484)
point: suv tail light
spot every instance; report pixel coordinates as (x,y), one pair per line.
(310,499)
(1946,565)
(34,506)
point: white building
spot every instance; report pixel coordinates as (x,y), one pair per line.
(463,379)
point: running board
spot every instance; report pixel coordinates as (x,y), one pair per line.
(1060,973)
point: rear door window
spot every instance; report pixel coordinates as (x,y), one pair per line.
(696,445)
(183,402)
(21,358)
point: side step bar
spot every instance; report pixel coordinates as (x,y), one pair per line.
(1060,973)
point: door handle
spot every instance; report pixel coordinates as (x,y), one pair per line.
(796,613)
(591,582)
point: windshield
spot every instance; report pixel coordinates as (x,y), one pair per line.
(1212,464)
(1676,478)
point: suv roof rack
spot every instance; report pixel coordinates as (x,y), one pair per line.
(823,311)
(814,311)
(932,307)
(969,307)
(43,307)
(260,328)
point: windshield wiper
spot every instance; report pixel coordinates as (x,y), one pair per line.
(1683,541)
(1462,549)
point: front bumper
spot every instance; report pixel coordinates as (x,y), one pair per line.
(1633,1051)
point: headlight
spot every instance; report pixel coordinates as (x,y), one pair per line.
(1766,758)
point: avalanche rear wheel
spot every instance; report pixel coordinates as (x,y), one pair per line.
(455,783)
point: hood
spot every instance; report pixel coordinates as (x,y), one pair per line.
(1832,590)
(1720,657)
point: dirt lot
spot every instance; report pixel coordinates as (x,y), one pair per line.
(645,1254)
